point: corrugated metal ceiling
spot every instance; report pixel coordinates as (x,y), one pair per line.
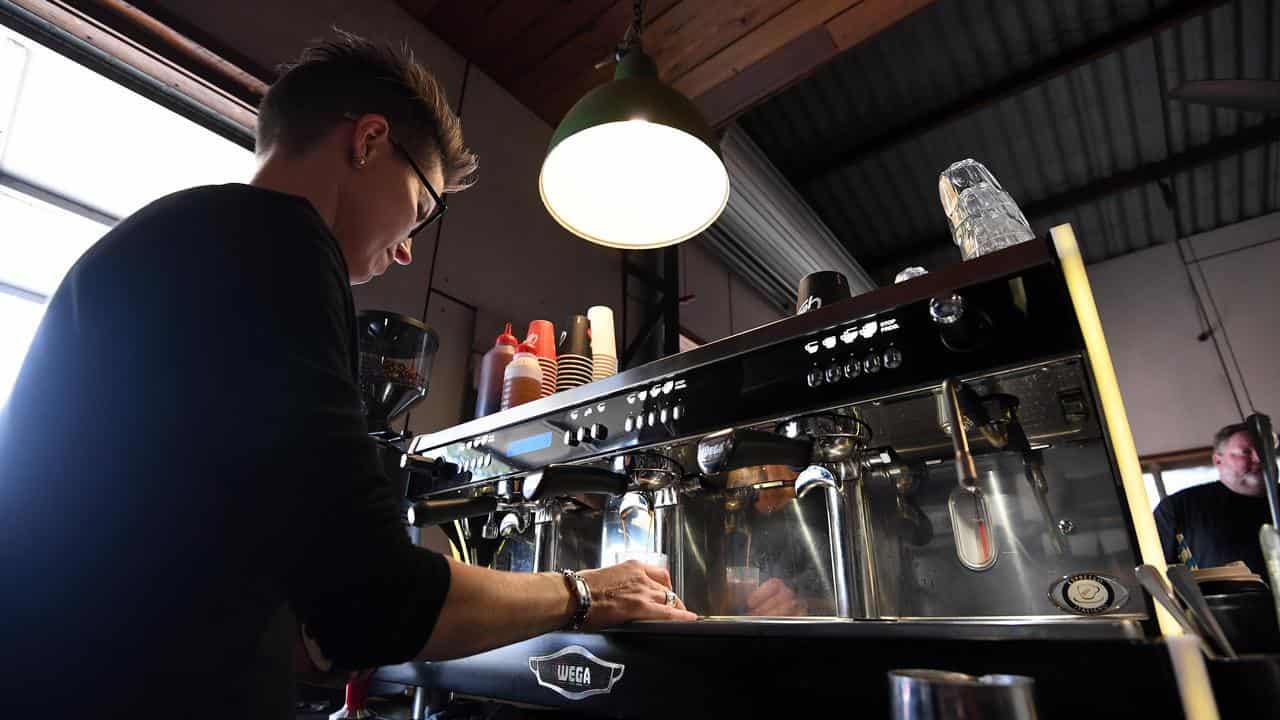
(1052,143)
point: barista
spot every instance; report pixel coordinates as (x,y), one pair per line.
(186,484)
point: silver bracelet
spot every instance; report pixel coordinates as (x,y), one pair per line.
(581,594)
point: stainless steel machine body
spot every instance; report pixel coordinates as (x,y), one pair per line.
(932,451)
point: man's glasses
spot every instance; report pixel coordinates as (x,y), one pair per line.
(438,206)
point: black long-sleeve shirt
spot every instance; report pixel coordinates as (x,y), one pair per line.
(185,472)
(1218,526)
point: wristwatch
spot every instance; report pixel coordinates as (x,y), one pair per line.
(581,594)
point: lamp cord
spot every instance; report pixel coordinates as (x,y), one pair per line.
(631,39)
(635,31)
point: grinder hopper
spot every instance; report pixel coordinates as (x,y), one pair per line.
(395,363)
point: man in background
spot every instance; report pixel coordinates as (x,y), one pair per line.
(1217,523)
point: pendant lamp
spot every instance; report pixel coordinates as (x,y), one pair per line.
(633,164)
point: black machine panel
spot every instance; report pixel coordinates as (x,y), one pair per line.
(889,340)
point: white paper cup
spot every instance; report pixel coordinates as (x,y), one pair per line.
(602,333)
(602,366)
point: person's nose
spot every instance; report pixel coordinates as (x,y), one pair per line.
(404,252)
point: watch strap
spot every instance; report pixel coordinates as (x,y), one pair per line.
(581,595)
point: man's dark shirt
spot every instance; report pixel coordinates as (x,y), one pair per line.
(1217,525)
(185,474)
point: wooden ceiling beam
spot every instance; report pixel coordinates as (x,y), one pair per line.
(786,50)
(727,55)
(759,44)
(552,86)
(691,32)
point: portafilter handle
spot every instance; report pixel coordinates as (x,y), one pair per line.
(561,480)
(426,513)
(738,448)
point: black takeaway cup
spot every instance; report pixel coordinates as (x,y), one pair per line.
(819,289)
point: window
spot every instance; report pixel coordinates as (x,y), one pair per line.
(78,152)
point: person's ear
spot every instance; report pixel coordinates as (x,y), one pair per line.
(404,252)
(368,138)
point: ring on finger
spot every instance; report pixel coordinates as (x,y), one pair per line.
(670,598)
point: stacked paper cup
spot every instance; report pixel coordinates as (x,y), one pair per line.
(542,335)
(573,362)
(604,352)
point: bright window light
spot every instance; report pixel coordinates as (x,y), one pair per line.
(633,184)
(19,319)
(83,141)
(40,242)
(78,134)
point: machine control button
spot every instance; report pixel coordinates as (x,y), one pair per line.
(852,368)
(629,424)
(677,412)
(599,432)
(582,435)
(640,421)
(892,358)
(662,415)
(653,419)
(814,377)
(871,363)
(570,438)
(834,374)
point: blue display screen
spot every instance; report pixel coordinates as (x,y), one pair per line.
(530,444)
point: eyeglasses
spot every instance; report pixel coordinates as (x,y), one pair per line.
(425,217)
(438,206)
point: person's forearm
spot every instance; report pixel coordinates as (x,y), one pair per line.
(486,609)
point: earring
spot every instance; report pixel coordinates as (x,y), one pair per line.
(361,161)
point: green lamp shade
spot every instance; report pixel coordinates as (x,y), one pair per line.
(633,165)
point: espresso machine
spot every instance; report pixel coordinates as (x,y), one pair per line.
(925,475)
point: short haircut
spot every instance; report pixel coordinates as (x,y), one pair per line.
(353,76)
(1222,436)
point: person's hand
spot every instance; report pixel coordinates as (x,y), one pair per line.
(630,591)
(773,597)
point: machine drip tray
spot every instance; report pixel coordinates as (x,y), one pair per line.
(1002,629)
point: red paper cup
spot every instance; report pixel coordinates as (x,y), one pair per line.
(546,341)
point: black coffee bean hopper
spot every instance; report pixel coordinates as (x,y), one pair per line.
(396,352)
